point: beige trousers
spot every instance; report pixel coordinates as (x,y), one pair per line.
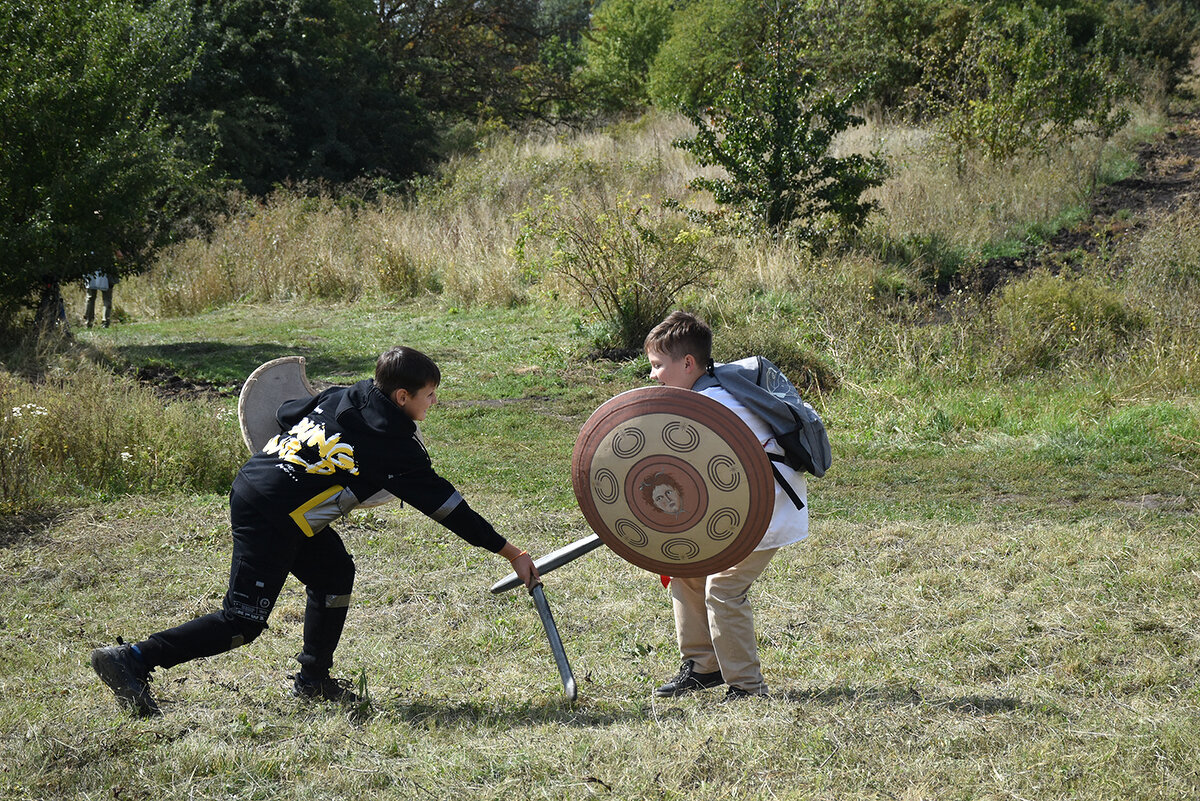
(715,624)
(89,309)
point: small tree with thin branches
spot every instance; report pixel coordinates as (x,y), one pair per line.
(772,131)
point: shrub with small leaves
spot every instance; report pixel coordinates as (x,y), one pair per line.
(772,132)
(1016,84)
(627,259)
(1048,321)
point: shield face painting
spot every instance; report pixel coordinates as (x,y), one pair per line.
(673,481)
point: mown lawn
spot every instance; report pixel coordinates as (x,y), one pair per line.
(997,601)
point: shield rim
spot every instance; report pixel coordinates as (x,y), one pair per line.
(635,403)
(248,388)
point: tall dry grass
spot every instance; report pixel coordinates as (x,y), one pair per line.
(1161,277)
(82,431)
(454,238)
(869,306)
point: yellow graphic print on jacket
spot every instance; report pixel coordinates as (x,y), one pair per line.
(331,455)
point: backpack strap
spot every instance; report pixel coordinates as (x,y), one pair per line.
(791,492)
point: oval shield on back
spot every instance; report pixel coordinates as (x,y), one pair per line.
(265,390)
(673,481)
(267,387)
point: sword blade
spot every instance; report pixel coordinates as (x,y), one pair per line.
(552,560)
(556,646)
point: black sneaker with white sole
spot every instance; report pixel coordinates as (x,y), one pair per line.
(127,676)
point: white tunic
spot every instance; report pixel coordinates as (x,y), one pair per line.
(788,524)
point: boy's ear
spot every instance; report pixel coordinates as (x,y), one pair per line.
(400,397)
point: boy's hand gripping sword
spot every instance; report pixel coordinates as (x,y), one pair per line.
(544,565)
(551,561)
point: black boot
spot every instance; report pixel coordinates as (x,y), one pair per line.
(687,680)
(127,676)
(325,689)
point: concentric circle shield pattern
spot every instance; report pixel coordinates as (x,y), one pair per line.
(673,481)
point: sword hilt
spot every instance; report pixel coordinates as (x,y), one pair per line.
(552,560)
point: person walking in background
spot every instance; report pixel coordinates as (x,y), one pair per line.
(103,283)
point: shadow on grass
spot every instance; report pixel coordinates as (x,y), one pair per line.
(26,527)
(906,696)
(506,715)
(222,363)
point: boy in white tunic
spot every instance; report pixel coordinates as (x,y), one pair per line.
(713,619)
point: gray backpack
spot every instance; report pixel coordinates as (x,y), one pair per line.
(762,388)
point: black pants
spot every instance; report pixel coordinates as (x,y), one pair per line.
(263,555)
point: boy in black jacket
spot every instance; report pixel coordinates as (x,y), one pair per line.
(336,449)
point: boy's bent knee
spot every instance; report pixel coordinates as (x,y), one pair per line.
(245,630)
(328,600)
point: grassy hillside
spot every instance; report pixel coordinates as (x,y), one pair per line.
(997,599)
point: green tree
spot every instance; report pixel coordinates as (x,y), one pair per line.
(1017,83)
(707,38)
(887,35)
(621,44)
(86,161)
(566,20)
(483,60)
(772,131)
(298,90)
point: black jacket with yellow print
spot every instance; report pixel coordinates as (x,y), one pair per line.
(338,449)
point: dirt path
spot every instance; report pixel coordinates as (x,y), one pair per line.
(1168,175)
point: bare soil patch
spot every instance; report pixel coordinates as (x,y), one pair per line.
(172,386)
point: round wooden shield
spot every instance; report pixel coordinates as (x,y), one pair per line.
(673,481)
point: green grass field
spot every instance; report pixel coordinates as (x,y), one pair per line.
(997,599)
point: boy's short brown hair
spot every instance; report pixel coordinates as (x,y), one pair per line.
(405,368)
(679,334)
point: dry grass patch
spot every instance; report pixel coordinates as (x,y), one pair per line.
(914,660)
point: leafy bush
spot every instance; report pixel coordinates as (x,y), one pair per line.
(623,40)
(627,260)
(1157,38)
(1046,321)
(707,38)
(1016,84)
